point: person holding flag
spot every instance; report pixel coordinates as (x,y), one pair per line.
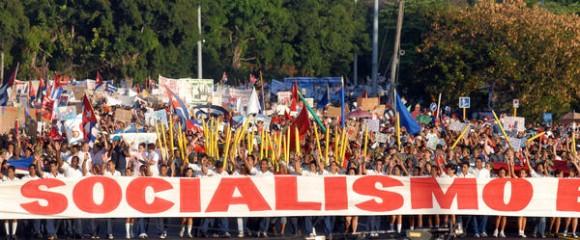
(89,119)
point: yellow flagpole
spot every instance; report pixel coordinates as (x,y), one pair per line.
(365,141)
(343,147)
(398,129)
(498,122)
(326,143)
(535,137)
(288,144)
(227,146)
(337,142)
(317,141)
(297,141)
(171,135)
(460,136)
(284,147)
(262,142)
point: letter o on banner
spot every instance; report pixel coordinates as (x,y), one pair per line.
(494,192)
(83,195)
(136,195)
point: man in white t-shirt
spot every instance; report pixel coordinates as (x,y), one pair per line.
(10,178)
(52,173)
(222,223)
(153,160)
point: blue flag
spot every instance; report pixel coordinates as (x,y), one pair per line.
(324,100)
(407,120)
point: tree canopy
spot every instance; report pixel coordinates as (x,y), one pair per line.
(519,48)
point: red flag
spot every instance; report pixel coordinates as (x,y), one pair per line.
(16,127)
(89,118)
(294,98)
(31,92)
(302,122)
(60,80)
(98,79)
(253,79)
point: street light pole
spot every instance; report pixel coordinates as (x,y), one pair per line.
(199,42)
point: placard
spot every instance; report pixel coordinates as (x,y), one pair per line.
(284,97)
(372,124)
(514,123)
(123,115)
(65,113)
(154,117)
(367,104)
(381,137)
(134,139)
(9,116)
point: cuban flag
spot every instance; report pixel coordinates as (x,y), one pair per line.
(98,80)
(89,120)
(111,88)
(179,108)
(5,85)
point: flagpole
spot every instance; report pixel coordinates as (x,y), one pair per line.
(342,112)
(263,98)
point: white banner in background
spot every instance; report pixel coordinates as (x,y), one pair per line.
(122,197)
(134,139)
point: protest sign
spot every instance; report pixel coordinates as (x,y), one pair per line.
(381,137)
(514,123)
(333,112)
(284,97)
(456,126)
(154,117)
(274,196)
(73,129)
(123,115)
(195,91)
(372,124)
(64,113)
(9,116)
(241,95)
(367,104)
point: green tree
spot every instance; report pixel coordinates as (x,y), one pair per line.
(523,52)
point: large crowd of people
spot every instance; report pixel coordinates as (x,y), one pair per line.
(482,152)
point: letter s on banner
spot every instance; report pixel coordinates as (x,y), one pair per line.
(389,200)
(57,202)
(423,190)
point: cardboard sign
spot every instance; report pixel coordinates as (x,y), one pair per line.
(367,104)
(333,112)
(123,115)
(9,116)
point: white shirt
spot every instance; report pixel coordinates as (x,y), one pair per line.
(196,168)
(255,172)
(309,173)
(111,174)
(468,175)
(481,173)
(374,172)
(28,177)
(71,172)
(153,158)
(49,175)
